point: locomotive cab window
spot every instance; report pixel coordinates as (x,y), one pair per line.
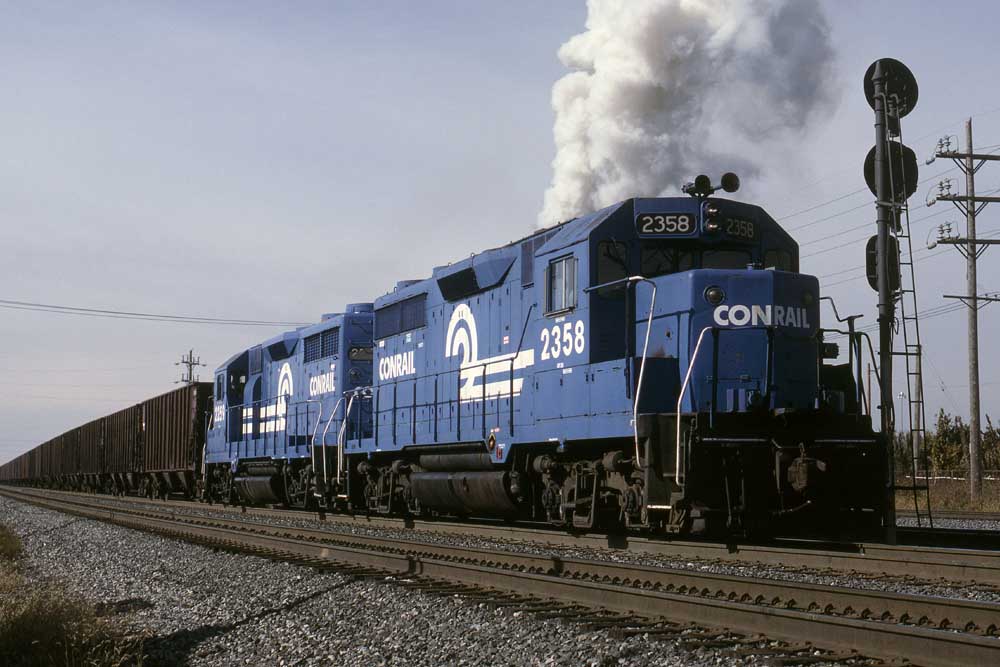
(780,260)
(725,259)
(218,388)
(659,259)
(560,283)
(612,265)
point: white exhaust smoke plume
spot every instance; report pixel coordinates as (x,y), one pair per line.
(663,90)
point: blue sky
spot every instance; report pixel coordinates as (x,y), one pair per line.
(216,159)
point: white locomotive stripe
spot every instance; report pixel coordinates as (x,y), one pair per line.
(499,364)
(498,389)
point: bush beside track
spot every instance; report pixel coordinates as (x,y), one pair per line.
(42,624)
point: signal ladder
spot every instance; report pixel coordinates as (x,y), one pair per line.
(911,352)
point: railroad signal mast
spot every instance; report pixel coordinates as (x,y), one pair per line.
(891,173)
(972,248)
(188,377)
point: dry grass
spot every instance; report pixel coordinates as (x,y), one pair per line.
(43,625)
(952,494)
(10,544)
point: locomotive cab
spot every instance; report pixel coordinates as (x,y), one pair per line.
(742,427)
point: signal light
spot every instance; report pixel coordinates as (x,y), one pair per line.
(892,262)
(900,84)
(900,171)
(895,180)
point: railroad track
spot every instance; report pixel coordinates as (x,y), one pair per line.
(926,630)
(906,562)
(958,515)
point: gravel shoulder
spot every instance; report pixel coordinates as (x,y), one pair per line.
(203,607)
(982,593)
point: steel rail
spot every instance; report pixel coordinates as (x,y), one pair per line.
(867,621)
(960,515)
(928,563)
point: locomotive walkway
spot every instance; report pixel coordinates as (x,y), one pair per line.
(926,630)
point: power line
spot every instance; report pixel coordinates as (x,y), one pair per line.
(130,315)
(808,209)
(859,239)
(77,370)
(919,259)
(824,177)
(944,388)
(53,385)
(826,203)
(72,398)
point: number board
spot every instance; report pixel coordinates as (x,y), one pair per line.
(665,224)
(740,228)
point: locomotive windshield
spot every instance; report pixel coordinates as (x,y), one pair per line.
(725,259)
(658,258)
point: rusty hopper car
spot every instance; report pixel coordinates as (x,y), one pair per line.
(153,448)
(123,437)
(90,455)
(16,471)
(173,440)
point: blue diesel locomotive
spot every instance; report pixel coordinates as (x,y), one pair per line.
(657,364)
(282,408)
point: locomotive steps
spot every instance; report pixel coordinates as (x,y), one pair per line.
(885,625)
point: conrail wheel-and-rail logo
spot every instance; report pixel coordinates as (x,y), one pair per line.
(462,341)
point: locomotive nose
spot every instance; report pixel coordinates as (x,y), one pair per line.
(761,328)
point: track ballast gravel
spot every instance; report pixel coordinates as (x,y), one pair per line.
(340,526)
(199,606)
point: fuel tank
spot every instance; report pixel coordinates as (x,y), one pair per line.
(465,492)
(259,489)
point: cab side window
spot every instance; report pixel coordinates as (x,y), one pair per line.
(612,265)
(560,285)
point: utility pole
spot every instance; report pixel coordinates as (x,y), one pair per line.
(190,362)
(969,162)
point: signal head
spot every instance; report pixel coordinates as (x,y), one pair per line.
(899,83)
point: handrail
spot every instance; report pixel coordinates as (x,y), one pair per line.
(340,436)
(680,399)
(642,365)
(477,370)
(312,442)
(333,413)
